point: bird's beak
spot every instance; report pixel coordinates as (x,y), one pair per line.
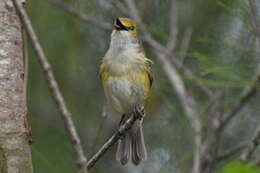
(119,26)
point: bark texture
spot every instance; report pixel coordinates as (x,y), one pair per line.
(15,154)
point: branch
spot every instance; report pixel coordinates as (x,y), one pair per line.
(112,140)
(247,93)
(185,43)
(254,14)
(231,152)
(53,86)
(246,155)
(178,64)
(251,147)
(85,18)
(173,26)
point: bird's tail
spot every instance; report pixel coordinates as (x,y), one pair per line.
(132,145)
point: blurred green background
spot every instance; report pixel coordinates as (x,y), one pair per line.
(223,54)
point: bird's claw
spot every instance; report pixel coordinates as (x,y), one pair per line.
(139,112)
(120,135)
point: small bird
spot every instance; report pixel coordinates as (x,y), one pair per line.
(126,78)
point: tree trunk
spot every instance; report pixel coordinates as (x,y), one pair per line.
(15,153)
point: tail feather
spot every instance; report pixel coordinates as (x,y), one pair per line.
(138,146)
(124,149)
(132,145)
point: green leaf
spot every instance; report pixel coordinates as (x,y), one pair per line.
(239,167)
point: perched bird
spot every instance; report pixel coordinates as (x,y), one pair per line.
(126,78)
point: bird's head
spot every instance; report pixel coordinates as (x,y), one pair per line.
(124,35)
(125,25)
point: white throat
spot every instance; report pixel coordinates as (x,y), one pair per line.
(123,41)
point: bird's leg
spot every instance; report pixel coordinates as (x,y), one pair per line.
(139,112)
(122,120)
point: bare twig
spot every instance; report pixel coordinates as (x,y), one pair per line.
(55,91)
(74,12)
(231,152)
(185,43)
(251,147)
(112,140)
(255,18)
(190,75)
(247,93)
(173,26)
(212,137)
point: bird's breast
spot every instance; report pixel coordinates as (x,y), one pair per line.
(125,91)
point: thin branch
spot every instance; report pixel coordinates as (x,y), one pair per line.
(112,140)
(185,43)
(231,152)
(54,88)
(255,18)
(247,93)
(251,147)
(190,75)
(173,26)
(85,18)
(212,137)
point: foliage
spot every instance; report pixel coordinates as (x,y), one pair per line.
(239,167)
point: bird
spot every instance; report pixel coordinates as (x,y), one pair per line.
(126,77)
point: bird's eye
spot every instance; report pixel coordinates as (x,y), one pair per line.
(131,28)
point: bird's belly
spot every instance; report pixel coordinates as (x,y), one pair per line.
(123,94)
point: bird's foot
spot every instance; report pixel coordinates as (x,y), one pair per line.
(120,134)
(139,112)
